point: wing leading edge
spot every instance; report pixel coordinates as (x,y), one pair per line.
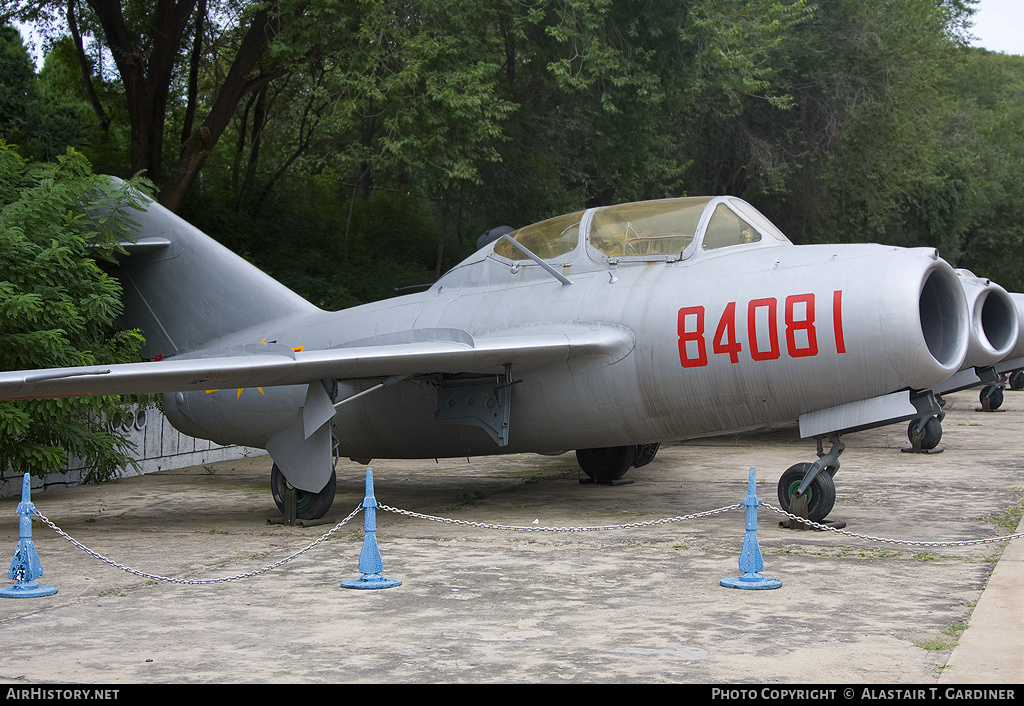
(259,365)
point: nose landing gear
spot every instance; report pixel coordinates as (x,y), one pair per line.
(813,482)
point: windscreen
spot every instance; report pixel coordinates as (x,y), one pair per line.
(547,239)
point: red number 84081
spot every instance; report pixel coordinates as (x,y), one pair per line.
(801,333)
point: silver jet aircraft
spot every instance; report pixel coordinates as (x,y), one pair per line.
(605,331)
(1012,366)
(993,347)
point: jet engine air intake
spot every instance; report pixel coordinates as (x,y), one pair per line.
(999,322)
(943,317)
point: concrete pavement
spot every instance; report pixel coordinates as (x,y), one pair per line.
(636,605)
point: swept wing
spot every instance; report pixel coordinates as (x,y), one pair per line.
(266,365)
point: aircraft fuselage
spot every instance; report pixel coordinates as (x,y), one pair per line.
(728,341)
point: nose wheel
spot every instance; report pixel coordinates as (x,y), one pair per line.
(820,494)
(991,397)
(813,483)
(1017,380)
(924,434)
(645,453)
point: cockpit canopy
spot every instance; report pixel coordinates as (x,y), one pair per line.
(667,229)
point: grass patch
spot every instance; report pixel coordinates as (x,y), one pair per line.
(951,636)
(1009,519)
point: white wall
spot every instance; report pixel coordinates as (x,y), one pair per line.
(158,447)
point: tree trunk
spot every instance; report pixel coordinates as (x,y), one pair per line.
(83,65)
(193,73)
(146,80)
(261,32)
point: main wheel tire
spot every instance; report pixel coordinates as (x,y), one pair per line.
(821,493)
(607,464)
(645,453)
(994,395)
(932,433)
(308,506)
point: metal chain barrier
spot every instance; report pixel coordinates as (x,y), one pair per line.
(237,577)
(515,528)
(905,542)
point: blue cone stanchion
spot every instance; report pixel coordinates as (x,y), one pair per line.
(370,563)
(25,566)
(751,563)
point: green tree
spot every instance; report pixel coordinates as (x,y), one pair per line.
(17,89)
(156,47)
(615,99)
(862,139)
(985,144)
(60,115)
(57,307)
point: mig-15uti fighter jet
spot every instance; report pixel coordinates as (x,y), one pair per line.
(994,350)
(605,331)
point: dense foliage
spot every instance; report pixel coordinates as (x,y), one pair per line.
(843,120)
(57,307)
(352,149)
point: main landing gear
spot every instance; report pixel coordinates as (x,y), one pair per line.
(308,506)
(608,465)
(812,483)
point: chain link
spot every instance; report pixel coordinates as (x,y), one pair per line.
(905,542)
(599,528)
(513,528)
(237,577)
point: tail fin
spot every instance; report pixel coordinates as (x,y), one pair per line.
(184,289)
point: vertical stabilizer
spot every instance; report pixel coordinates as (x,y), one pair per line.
(184,289)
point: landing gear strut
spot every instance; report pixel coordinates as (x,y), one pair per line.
(925,433)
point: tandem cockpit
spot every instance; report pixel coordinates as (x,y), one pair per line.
(667,230)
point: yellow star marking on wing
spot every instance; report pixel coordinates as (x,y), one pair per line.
(240,392)
(297,349)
